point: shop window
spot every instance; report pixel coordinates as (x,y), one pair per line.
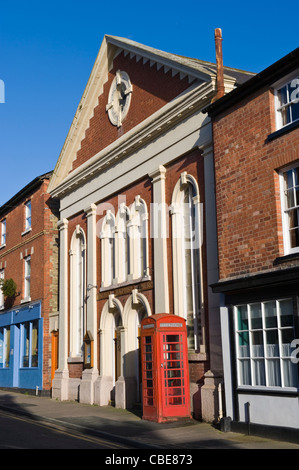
(264,335)
(4,347)
(29,344)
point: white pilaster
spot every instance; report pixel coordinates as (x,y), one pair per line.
(60,381)
(159,234)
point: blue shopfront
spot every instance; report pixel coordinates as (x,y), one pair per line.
(21,344)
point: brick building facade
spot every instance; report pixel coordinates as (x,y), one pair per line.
(136,169)
(29,258)
(256,141)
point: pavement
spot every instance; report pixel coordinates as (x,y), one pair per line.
(127,427)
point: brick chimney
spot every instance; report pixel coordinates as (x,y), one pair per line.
(219,64)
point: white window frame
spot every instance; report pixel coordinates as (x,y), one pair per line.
(138,233)
(266,358)
(179,267)
(28,223)
(124,245)
(108,258)
(27,278)
(285,212)
(78,292)
(27,344)
(3,233)
(5,347)
(292,79)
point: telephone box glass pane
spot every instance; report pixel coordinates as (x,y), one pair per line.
(174,381)
(148,371)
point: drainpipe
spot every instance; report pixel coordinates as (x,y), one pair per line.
(220,413)
(219,64)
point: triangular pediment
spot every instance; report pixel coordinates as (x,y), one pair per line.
(158,78)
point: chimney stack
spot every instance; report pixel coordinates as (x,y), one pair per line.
(219,64)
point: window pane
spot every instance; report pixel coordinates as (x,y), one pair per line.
(34,344)
(245,373)
(287,336)
(286,312)
(282,96)
(26,332)
(294,238)
(274,377)
(290,373)
(295,111)
(272,348)
(243,349)
(259,373)
(257,344)
(7,347)
(256,316)
(270,314)
(242,317)
(1,347)
(290,202)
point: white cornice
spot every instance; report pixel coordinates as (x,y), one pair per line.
(159,122)
(175,63)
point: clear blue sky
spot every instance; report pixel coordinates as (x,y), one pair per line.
(47,50)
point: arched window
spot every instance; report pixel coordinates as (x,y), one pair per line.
(77,291)
(122,246)
(139,239)
(186,256)
(108,249)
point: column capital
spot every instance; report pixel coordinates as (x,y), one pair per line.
(91,210)
(62,224)
(158,174)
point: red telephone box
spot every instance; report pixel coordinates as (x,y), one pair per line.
(165,371)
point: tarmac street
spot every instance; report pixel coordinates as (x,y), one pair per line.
(127,429)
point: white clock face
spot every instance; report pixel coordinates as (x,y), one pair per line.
(119,98)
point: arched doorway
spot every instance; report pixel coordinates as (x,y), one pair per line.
(136,308)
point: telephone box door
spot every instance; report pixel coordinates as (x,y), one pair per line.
(174,382)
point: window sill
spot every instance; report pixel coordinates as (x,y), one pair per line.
(26,231)
(2,246)
(125,284)
(283,130)
(75,360)
(26,300)
(286,258)
(267,390)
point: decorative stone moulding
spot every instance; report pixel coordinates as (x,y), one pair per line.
(119,98)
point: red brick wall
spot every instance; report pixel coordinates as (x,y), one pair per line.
(247,186)
(41,244)
(152,89)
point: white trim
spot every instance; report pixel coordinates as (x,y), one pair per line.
(179,281)
(77,297)
(277,86)
(284,215)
